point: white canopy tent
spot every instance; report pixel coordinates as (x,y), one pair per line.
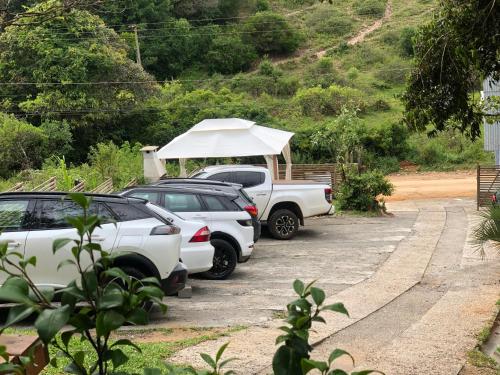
(231,137)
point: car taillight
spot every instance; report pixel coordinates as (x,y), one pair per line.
(165,230)
(252,210)
(203,235)
(328,195)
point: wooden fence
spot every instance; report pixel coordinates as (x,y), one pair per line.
(325,173)
(488,182)
(105,188)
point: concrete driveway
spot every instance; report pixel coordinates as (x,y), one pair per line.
(337,251)
(416,290)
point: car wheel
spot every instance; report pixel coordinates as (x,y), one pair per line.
(138,275)
(225,260)
(283,224)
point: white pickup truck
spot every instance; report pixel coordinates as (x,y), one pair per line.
(282,204)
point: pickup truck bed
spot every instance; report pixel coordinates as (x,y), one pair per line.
(282,204)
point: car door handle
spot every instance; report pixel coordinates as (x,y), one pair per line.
(261,194)
(200,217)
(13,244)
(98,238)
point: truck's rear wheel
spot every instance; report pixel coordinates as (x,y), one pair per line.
(283,224)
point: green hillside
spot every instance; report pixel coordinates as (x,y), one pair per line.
(303,65)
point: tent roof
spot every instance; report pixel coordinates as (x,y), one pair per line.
(214,138)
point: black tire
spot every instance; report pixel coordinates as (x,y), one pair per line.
(283,224)
(138,275)
(225,260)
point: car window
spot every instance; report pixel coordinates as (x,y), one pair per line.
(231,205)
(128,212)
(224,177)
(13,214)
(248,178)
(179,202)
(52,213)
(153,197)
(214,203)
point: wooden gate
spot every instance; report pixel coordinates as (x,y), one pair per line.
(488,182)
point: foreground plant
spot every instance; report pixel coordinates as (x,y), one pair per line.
(293,357)
(488,230)
(102,300)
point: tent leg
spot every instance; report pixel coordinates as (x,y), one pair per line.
(182,165)
(276,172)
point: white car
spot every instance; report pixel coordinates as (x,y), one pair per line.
(30,222)
(230,225)
(197,253)
(282,205)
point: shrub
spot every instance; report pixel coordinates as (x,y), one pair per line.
(59,137)
(228,55)
(352,73)
(393,73)
(406,43)
(287,86)
(270,33)
(318,101)
(387,140)
(323,73)
(359,191)
(374,8)
(22,146)
(328,20)
(262,5)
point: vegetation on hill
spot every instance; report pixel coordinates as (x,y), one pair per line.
(292,64)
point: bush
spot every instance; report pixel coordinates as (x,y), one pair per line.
(406,43)
(359,191)
(328,20)
(22,146)
(352,73)
(323,74)
(228,55)
(393,73)
(262,5)
(318,101)
(374,8)
(387,140)
(59,137)
(270,33)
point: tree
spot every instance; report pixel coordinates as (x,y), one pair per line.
(453,52)
(50,70)
(270,33)
(228,55)
(22,146)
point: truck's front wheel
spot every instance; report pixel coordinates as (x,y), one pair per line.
(283,224)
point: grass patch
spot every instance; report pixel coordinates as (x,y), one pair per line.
(481,360)
(154,354)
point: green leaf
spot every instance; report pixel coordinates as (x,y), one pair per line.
(226,361)
(221,351)
(65,263)
(118,358)
(298,286)
(50,322)
(337,353)
(116,272)
(283,361)
(126,342)
(319,319)
(302,321)
(337,307)
(108,321)
(138,316)
(281,339)
(318,295)
(338,372)
(17,314)
(112,297)
(66,337)
(308,365)
(151,280)
(15,289)
(80,199)
(60,243)
(208,360)
(151,291)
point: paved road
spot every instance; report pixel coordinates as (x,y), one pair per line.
(416,290)
(339,252)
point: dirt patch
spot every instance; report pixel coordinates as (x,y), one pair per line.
(427,185)
(169,334)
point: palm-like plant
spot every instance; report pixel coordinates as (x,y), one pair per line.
(488,230)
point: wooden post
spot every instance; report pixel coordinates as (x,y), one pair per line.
(276,171)
(478,180)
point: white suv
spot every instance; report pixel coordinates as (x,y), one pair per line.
(30,222)
(197,253)
(230,225)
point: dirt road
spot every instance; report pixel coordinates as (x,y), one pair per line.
(433,185)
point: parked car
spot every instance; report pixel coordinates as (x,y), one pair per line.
(245,202)
(230,225)
(30,222)
(283,205)
(197,253)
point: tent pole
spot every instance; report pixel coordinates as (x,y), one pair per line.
(276,172)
